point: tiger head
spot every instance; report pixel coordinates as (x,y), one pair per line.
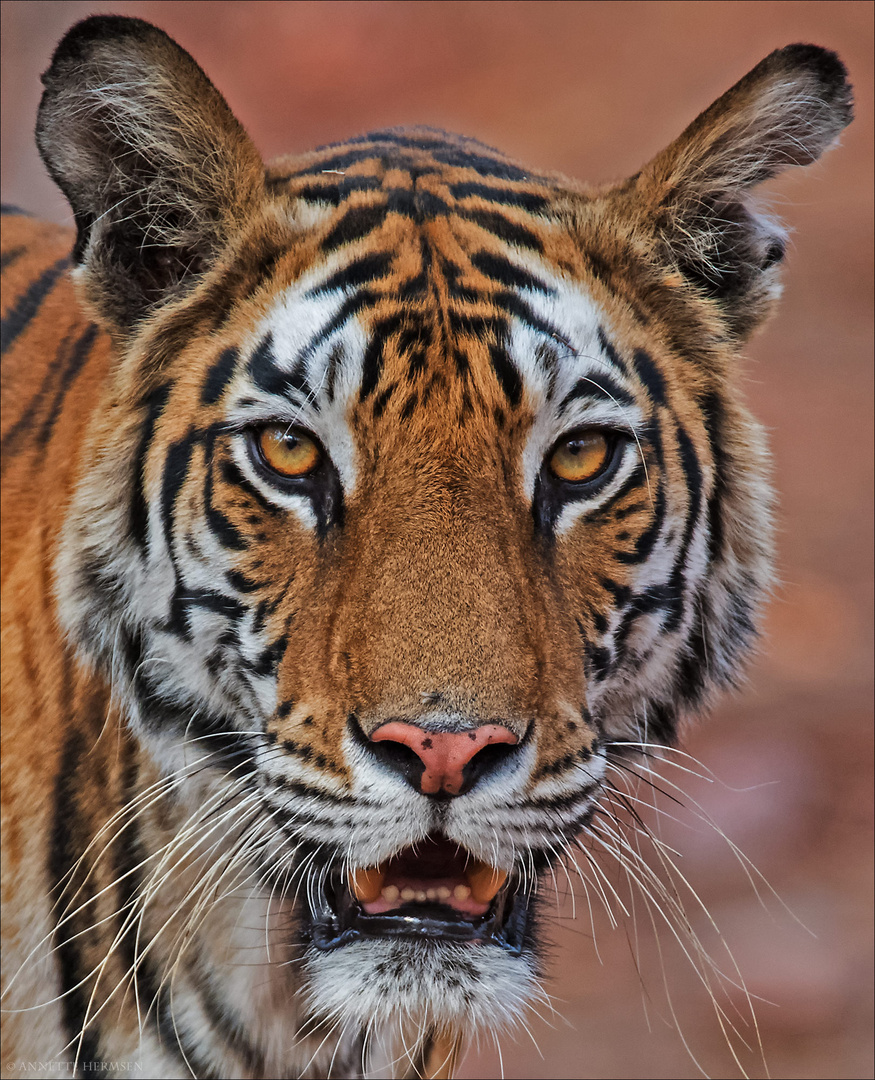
(421,494)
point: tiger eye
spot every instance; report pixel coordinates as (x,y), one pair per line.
(287,451)
(580,457)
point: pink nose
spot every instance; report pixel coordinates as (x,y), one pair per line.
(444,754)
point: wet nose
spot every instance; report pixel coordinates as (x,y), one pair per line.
(442,762)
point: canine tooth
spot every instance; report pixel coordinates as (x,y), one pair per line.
(443,893)
(407,893)
(461,892)
(366,885)
(485,881)
(391,893)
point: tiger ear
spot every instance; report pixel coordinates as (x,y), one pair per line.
(696,193)
(156,168)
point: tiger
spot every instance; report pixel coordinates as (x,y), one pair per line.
(400,497)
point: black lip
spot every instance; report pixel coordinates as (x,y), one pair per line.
(338,920)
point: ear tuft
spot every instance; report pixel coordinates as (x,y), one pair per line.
(155,166)
(697,193)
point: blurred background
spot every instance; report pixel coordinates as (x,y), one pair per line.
(593,90)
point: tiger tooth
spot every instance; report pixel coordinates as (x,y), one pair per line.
(485,881)
(366,885)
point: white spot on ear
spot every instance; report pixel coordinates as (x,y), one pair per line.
(308,216)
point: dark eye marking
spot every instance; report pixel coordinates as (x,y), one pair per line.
(293,461)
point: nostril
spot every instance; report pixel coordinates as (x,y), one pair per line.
(487,760)
(442,762)
(400,759)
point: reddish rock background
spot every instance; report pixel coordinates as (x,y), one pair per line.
(594,89)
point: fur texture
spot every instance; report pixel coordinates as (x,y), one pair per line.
(197,652)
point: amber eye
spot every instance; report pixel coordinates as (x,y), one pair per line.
(581,457)
(288,451)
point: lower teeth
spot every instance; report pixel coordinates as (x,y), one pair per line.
(391,894)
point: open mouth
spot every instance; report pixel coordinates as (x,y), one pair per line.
(433,890)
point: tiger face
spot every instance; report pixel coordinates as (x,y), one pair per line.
(419,494)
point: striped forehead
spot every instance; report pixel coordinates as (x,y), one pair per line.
(309,361)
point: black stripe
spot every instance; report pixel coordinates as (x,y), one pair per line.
(10,257)
(224,530)
(654,598)
(693,475)
(204,599)
(78,357)
(633,508)
(25,426)
(298,787)
(372,365)
(139,511)
(661,723)
(414,341)
(228,1027)
(268,660)
(611,353)
(330,189)
(263,368)
(343,159)
(500,269)
(714,419)
(505,229)
(525,200)
(176,466)
(507,374)
(650,375)
(360,271)
(409,407)
(219,376)
(335,358)
(232,475)
(351,306)
(382,400)
(64,852)
(515,306)
(480,162)
(482,327)
(25,309)
(135,944)
(452,273)
(598,387)
(311,193)
(605,510)
(355,224)
(645,542)
(242,583)
(620,593)
(692,672)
